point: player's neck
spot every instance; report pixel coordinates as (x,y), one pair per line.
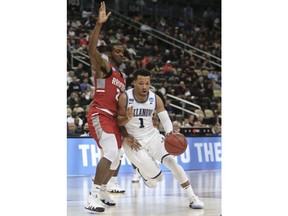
(141,98)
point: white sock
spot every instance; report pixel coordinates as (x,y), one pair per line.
(190,193)
(103,187)
(95,189)
(113,179)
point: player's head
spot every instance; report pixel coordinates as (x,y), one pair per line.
(115,52)
(142,82)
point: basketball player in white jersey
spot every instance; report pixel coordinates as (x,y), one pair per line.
(135,112)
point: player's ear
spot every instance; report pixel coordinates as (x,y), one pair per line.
(108,53)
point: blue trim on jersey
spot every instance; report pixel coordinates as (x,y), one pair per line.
(140,101)
(155,98)
(127,99)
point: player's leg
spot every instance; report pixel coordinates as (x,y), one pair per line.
(136,175)
(160,154)
(146,165)
(180,175)
(113,185)
(110,156)
(115,166)
(108,142)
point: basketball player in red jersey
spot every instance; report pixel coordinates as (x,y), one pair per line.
(109,83)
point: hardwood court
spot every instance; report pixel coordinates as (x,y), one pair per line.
(168,199)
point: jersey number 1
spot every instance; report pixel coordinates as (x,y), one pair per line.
(141,123)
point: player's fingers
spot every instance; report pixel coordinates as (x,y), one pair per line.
(137,145)
(108,14)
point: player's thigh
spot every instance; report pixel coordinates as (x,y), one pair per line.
(156,147)
(103,123)
(143,161)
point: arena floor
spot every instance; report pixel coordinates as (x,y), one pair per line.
(138,200)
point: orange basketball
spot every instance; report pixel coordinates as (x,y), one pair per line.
(175,144)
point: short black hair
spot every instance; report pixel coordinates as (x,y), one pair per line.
(111,46)
(141,72)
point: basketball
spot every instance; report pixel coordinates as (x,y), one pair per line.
(175,144)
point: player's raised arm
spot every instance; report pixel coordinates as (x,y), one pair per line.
(99,65)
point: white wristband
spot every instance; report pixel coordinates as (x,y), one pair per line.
(165,121)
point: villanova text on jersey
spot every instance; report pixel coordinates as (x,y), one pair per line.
(142,112)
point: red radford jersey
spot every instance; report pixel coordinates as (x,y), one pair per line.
(107,91)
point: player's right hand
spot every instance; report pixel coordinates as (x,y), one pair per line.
(132,142)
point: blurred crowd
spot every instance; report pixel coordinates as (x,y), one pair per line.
(174,71)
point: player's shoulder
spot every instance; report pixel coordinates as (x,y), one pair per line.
(129,91)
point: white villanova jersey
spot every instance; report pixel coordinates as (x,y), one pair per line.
(141,125)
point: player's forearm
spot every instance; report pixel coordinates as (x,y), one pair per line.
(122,120)
(92,47)
(123,131)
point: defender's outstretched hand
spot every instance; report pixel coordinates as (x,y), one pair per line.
(102,16)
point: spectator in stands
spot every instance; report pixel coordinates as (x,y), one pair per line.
(71,34)
(215,85)
(168,69)
(191,120)
(217,113)
(85,131)
(78,127)
(71,119)
(176,126)
(84,85)
(70,74)
(198,88)
(180,90)
(164,88)
(79,70)
(216,129)
(198,121)
(207,65)
(73,100)
(69,111)
(86,12)
(86,74)
(74,86)
(185,123)
(83,101)
(75,24)
(71,130)
(83,40)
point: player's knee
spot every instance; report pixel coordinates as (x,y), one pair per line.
(117,161)
(160,177)
(114,165)
(169,162)
(111,154)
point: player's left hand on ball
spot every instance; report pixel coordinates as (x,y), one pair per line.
(167,134)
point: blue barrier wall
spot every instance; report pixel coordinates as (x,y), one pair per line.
(202,153)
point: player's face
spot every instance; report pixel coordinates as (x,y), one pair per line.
(142,85)
(118,54)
